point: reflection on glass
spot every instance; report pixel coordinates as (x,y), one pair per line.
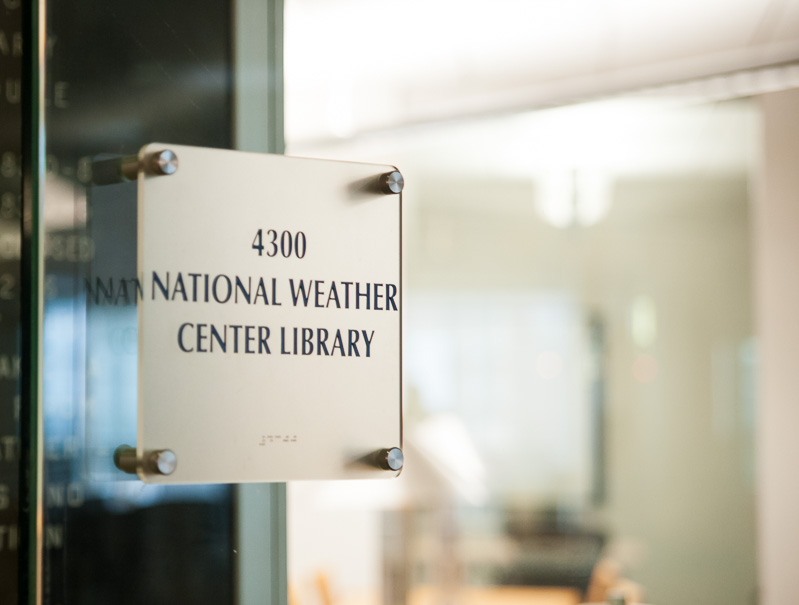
(578,367)
(119,76)
(10,205)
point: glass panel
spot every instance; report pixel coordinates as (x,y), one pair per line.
(118,77)
(579,366)
(10,206)
(107,537)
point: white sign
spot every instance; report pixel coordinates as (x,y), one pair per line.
(269,319)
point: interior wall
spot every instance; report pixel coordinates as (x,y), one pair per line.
(680,505)
(676,236)
(471,58)
(680,486)
(777,291)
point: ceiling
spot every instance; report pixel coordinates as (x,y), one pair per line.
(355,66)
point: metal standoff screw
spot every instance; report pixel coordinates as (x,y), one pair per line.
(125,459)
(159,163)
(129,168)
(162,162)
(391,182)
(162,462)
(390,459)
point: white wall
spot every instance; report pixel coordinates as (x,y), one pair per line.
(680,506)
(777,291)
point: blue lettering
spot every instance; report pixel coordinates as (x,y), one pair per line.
(122,292)
(333,295)
(262,344)
(307,341)
(320,342)
(157,282)
(200,337)
(353,343)
(337,344)
(300,291)
(318,293)
(236,338)
(347,285)
(368,341)
(358,295)
(180,338)
(179,287)
(194,277)
(274,293)
(100,287)
(283,342)
(248,339)
(229,288)
(260,291)
(391,292)
(139,290)
(240,288)
(222,341)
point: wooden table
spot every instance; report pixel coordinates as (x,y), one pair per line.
(497,595)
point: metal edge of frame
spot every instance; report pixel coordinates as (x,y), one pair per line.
(31,303)
(260,540)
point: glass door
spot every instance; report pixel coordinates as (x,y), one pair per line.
(109,79)
(10,225)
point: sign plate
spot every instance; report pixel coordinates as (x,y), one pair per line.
(270,317)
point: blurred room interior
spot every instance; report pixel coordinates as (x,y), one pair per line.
(600,225)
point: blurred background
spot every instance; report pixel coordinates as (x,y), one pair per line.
(600,241)
(591,212)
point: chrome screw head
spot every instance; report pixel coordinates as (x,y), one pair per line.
(125,458)
(391,459)
(164,162)
(391,182)
(163,462)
